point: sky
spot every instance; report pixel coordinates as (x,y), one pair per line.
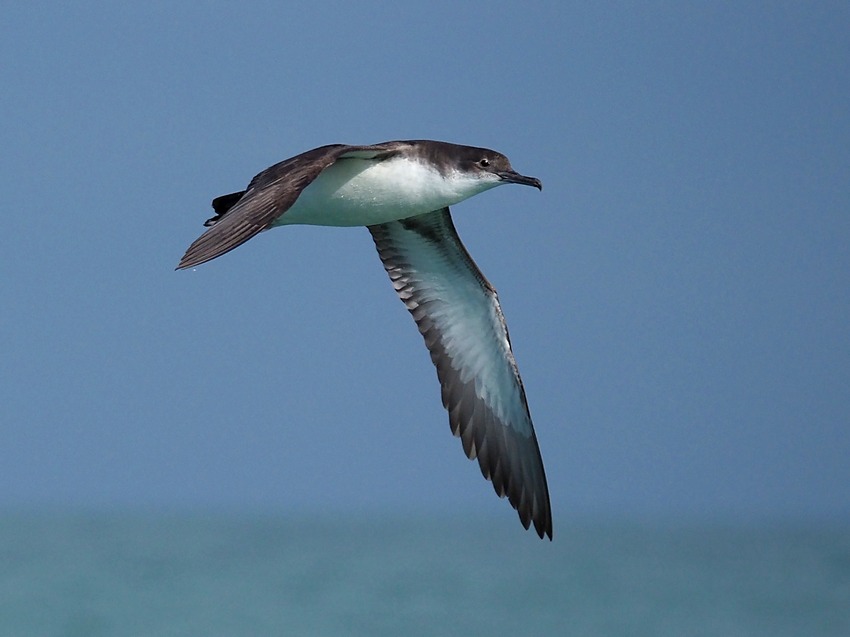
(678,295)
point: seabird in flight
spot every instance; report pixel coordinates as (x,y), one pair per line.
(401,191)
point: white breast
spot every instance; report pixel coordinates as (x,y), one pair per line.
(360,192)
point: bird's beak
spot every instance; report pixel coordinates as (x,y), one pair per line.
(513,177)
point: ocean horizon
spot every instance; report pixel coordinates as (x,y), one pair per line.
(100,573)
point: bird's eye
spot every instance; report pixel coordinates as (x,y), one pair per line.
(484,162)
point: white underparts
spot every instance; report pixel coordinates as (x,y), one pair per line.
(361,192)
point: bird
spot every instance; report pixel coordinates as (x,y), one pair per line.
(401,191)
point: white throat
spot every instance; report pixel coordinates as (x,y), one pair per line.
(363,192)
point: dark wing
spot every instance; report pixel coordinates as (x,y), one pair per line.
(242,215)
(458,313)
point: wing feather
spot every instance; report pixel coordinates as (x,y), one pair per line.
(458,313)
(243,215)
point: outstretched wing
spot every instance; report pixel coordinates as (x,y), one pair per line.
(458,313)
(242,215)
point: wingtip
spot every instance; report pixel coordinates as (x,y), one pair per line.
(184,263)
(192,258)
(542,523)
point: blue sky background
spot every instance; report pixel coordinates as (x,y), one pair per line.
(678,295)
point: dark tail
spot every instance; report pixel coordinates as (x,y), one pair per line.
(222,204)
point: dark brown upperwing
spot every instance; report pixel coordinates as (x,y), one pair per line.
(270,194)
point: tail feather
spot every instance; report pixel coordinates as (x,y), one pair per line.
(222,205)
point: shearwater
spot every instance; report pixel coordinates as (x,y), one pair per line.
(401,191)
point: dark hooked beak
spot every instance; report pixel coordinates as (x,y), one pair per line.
(513,177)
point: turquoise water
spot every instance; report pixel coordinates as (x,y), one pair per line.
(169,575)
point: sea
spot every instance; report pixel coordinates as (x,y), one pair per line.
(172,574)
